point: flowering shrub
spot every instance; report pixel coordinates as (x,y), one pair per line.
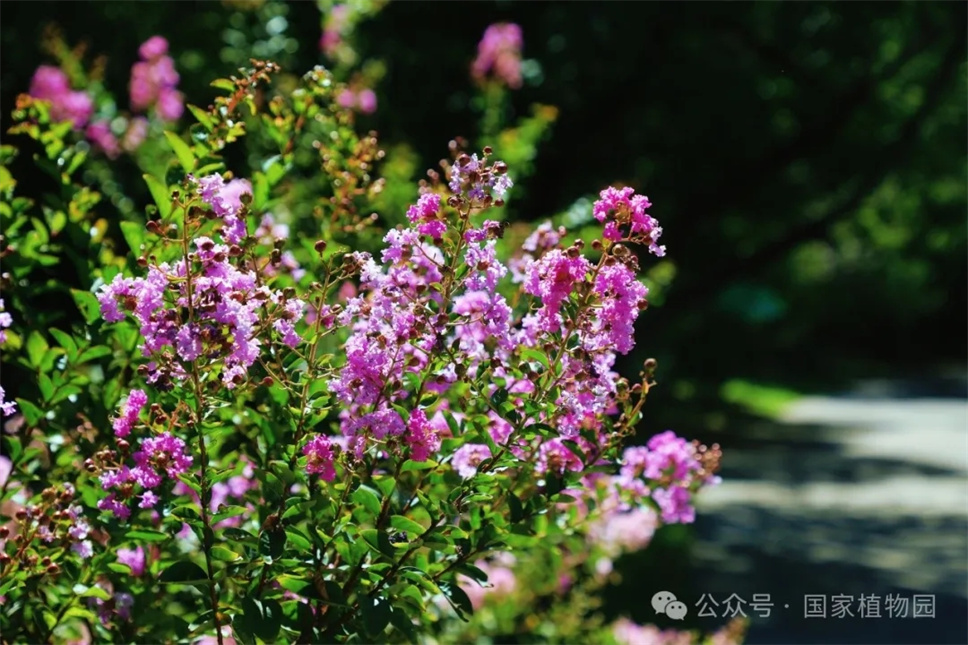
(268,424)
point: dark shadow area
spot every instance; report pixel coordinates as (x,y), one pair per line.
(869,498)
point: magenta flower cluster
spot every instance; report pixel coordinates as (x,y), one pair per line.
(363,100)
(499,54)
(159,458)
(51,84)
(137,399)
(228,312)
(467,177)
(320,457)
(154,81)
(627,219)
(396,330)
(669,471)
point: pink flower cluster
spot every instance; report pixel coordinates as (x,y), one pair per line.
(160,457)
(332,36)
(421,436)
(320,454)
(470,176)
(670,470)
(363,100)
(228,307)
(154,81)
(625,210)
(134,558)
(395,330)
(225,198)
(499,54)
(553,279)
(137,399)
(426,213)
(60,522)
(51,84)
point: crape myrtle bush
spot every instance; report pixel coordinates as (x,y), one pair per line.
(242,431)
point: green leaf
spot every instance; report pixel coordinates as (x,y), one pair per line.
(87,304)
(185,156)
(185,572)
(458,600)
(46,387)
(272,543)
(225,554)
(144,535)
(298,541)
(159,192)
(134,235)
(531,354)
(293,584)
(36,348)
(376,615)
(499,397)
(91,592)
(91,353)
(66,341)
(368,499)
(262,618)
(517,510)
(32,413)
(410,464)
(402,523)
(201,116)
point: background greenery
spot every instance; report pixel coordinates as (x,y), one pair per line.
(807,162)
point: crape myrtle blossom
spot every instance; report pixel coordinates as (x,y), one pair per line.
(472,177)
(51,84)
(154,81)
(670,470)
(159,458)
(225,198)
(320,455)
(622,208)
(129,413)
(229,306)
(134,558)
(363,100)
(499,54)
(394,330)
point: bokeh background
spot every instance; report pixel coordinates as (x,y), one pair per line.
(808,164)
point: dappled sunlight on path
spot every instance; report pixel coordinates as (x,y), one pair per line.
(860,494)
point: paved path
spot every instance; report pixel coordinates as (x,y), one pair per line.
(865,494)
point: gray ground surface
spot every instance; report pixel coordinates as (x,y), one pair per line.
(861,494)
